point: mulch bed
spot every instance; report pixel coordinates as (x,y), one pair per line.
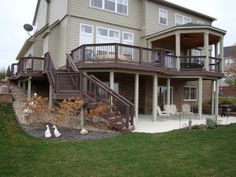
(67,134)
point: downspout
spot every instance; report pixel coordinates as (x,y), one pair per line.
(48,10)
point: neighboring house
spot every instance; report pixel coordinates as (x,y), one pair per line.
(229,61)
(152,52)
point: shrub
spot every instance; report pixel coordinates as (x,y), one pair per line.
(211,123)
(201,126)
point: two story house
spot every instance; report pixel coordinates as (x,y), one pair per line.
(148,52)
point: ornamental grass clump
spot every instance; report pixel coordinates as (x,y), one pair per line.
(211,123)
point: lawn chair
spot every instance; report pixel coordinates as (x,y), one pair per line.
(162,113)
(174,111)
(186,109)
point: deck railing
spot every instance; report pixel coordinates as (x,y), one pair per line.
(122,53)
(192,62)
(28,65)
(117,53)
(214,64)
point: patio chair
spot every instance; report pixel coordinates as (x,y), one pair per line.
(162,113)
(172,110)
(186,109)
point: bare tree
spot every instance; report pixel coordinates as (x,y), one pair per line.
(230,70)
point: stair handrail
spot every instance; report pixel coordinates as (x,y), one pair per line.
(50,68)
(70,63)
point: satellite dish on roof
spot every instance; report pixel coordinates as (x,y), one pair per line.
(28,27)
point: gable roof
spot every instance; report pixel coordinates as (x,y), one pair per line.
(184,9)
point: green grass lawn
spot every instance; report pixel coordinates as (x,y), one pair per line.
(182,153)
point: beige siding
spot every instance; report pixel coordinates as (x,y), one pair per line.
(62,43)
(38,47)
(152,17)
(29,52)
(74,31)
(132,20)
(57,10)
(41,18)
(54,44)
(45,44)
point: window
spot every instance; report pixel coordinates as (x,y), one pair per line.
(181,19)
(86,34)
(97,3)
(105,35)
(110,5)
(122,6)
(128,38)
(163,17)
(116,6)
(200,22)
(190,93)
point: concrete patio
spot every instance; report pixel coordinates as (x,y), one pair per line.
(145,123)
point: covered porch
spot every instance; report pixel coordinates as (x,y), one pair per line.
(191,47)
(147,91)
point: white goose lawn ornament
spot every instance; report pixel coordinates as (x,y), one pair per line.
(56,132)
(47,133)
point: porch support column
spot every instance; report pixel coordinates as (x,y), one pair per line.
(154,99)
(222,54)
(200,98)
(168,91)
(206,50)
(112,80)
(216,98)
(212,98)
(29,89)
(24,85)
(50,97)
(136,96)
(177,50)
(216,50)
(18,83)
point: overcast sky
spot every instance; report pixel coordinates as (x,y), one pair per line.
(15,13)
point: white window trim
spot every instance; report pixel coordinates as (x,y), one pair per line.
(103,7)
(108,30)
(160,9)
(182,16)
(81,24)
(124,40)
(189,87)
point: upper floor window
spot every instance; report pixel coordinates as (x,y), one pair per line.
(86,34)
(117,6)
(181,19)
(200,22)
(163,17)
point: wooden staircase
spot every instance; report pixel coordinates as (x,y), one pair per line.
(73,83)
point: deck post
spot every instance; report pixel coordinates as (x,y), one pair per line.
(216,99)
(18,83)
(212,98)
(155,97)
(82,116)
(200,98)
(168,91)
(112,83)
(24,85)
(206,50)
(136,95)
(29,89)
(222,54)
(50,100)
(177,50)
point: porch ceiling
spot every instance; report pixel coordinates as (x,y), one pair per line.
(188,41)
